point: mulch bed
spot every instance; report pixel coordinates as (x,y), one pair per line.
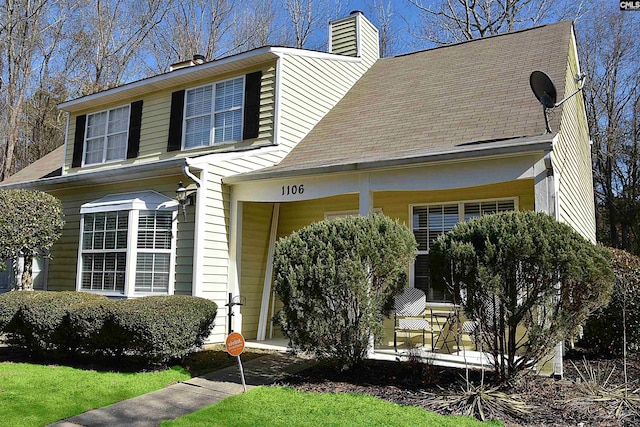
(552,402)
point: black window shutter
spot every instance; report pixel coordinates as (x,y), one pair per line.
(78,141)
(175,121)
(135,122)
(252,83)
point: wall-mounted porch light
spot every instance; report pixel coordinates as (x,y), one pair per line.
(185,197)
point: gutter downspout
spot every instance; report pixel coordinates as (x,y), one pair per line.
(198,240)
(558,371)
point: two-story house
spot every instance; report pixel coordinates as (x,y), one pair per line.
(270,140)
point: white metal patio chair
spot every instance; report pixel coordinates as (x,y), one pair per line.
(410,314)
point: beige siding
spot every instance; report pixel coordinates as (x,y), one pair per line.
(369,44)
(63,265)
(395,204)
(311,86)
(155,123)
(256,224)
(572,160)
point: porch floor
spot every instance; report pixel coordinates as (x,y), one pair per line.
(474,359)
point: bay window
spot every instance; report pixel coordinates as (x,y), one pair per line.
(128,245)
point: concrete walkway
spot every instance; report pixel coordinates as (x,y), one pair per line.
(186,397)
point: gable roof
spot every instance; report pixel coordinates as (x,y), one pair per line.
(46,167)
(452,99)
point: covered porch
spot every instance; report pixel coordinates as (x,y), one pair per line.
(264,210)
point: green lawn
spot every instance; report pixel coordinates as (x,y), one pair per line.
(282,406)
(37,395)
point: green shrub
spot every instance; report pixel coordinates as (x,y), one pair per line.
(160,328)
(522,269)
(603,331)
(157,328)
(337,280)
(85,326)
(10,302)
(37,323)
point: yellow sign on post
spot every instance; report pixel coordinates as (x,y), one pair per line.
(235,346)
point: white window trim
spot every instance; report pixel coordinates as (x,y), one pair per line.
(460,204)
(105,136)
(212,115)
(134,203)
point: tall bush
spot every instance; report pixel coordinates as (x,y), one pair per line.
(522,269)
(337,279)
(606,329)
(30,223)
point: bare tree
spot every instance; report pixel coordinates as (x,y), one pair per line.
(306,17)
(23,31)
(256,25)
(609,56)
(384,17)
(191,27)
(449,21)
(107,38)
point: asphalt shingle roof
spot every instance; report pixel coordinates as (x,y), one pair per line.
(440,99)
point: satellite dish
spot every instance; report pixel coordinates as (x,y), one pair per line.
(543,89)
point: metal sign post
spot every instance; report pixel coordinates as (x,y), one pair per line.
(235,346)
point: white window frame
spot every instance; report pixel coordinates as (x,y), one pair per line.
(133,203)
(461,216)
(212,114)
(105,136)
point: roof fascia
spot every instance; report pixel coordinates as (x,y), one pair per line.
(314,54)
(107,175)
(431,158)
(68,105)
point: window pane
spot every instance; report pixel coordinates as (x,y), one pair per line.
(117,146)
(197,132)
(118,119)
(228,107)
(94,150)
(96,124)
(199,101)
(104,270)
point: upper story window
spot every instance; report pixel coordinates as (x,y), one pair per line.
(213,113)
(224,111)
(428,222)
(128,245)
(106,136)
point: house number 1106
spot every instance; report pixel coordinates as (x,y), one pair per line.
(288,190)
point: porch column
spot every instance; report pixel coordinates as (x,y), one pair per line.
(235,255)
(366,196)
(266,290)
(546,200)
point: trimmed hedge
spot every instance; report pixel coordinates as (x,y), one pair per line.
(162,327)
(156,328)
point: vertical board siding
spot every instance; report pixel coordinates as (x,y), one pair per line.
(154,128)
(572,159)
